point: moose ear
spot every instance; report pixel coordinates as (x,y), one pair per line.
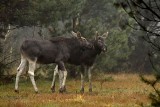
(74,34)
(96,34)
(105,35)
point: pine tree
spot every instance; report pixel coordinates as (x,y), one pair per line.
(146,14)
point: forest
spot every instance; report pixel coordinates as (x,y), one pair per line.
(132,51)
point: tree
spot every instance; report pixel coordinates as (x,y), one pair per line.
(98,16)
(146,14)
(86,16)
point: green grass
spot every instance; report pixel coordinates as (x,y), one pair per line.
(121,90)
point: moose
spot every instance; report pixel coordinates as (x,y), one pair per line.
(56,50)
(85,60)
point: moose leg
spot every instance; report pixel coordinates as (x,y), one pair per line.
(60,78)
(20,69)
(82,79)
(89,77)
(82,83)
(54,78)
(64,80)
(62,68)
(63,76)
(32,67)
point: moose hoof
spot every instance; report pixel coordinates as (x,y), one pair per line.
(90,90)
(63,89)
(17,91)
(82,90)
(53,90)
(36,92)
(60,90)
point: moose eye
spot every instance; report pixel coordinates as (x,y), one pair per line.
(83,38)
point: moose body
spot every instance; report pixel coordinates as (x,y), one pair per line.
(57,50)
(46,51)
(85,60)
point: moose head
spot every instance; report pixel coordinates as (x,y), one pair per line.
(83,41)
(100,41)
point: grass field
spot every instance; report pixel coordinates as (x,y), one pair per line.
(113,90)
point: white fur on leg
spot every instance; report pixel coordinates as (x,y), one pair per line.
(31,73)
(82,81)
(33,83)
(89,77)
(32,67)
(64,78)
(54,75)
(22,64)
(60,78)
(20,69)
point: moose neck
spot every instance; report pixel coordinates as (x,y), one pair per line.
(74,43)
(75,46)
(96,49)
(71,42)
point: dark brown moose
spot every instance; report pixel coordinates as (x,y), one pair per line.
(86,59)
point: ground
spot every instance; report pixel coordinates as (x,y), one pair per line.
(109,90)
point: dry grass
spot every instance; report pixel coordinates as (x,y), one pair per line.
(126,90)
